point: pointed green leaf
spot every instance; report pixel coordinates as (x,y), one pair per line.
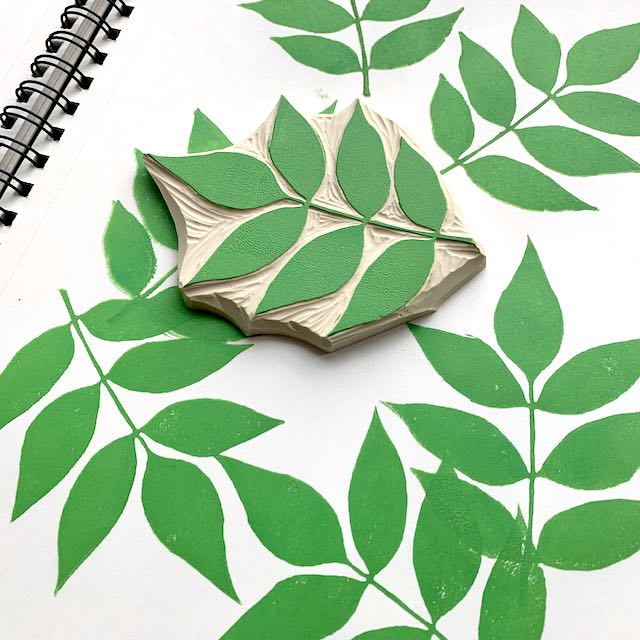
(598,455)
(322,266)
(227,178)
(317,16)
(158,367)
(127,247)
(602,111)
(361,166)
(152,206)
(206,427)
(385,11)
(446,548)
(300,608)
(521,185)
(296,150)
(184,511)
(326,55)
(489,86)
(143,318)
(207,326)
(453,128)
(254,244)
(377,499)
(394,633)
(592,536)
(95,503)
(137,319)
(331,109)
(194,324)
(574,152)
(206,135)
(389,283)
(419,191)
(528,319)
(470,366)
(536,51)
(53,444)
(456,437)
(603,56)
(290,518)
(592,379)
(495,523)
(33,371)
(412,43)
(514,598)
(123,320)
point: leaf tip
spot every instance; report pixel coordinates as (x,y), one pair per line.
(231,592)
(59,584)
(18,510)
(531,247)
(391,406)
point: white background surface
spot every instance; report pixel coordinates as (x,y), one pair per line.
(172,57)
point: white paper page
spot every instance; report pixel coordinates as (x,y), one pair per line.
(171,59)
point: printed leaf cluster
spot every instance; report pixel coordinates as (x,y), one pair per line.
(272,220)
(598,455)
(180,502)
(404,46)
(596,59)
(295,523)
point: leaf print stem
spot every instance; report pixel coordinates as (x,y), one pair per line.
(385,225)
(154,287)
(429,626)
(75,322)
(512,127)
(426,234)
(532,460)
(365,61)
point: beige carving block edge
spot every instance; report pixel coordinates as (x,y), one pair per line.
(202,226)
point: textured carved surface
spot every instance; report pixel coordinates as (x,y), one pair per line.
(203,226)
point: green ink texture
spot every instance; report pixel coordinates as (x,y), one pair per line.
(596,59)
(180,502)
(279,210)
(402,47)
(599,455)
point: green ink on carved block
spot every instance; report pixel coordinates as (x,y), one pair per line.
(329,228)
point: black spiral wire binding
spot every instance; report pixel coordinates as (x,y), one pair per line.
(35,118)
(42,62)
(27,88)
(59,37)
(38,160)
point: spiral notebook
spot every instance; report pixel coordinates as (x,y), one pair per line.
(470,475)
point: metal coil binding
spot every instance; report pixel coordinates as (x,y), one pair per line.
(27,88)
(42,62)
(37,120)
(59,37)
(72,12)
